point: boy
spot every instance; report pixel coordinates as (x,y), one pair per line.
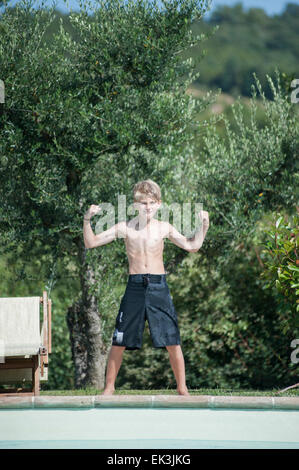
(147,295)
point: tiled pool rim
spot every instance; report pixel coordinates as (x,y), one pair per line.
(149,401)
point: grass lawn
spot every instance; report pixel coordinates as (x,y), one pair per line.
(202,391)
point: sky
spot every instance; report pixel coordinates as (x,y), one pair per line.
(271,7)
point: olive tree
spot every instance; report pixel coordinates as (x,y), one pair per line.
(85,116)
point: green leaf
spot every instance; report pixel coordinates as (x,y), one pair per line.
(277,224)
(293,268)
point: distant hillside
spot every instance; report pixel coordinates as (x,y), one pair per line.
(247,42)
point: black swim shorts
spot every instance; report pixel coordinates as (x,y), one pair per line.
(147,297)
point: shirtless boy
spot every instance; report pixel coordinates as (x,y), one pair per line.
(147,296)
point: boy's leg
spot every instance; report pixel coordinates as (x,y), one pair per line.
(177,363)
(114,363)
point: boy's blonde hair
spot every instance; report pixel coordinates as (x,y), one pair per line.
(146,188)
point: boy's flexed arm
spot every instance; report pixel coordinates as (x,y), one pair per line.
(90,239)
(190,244)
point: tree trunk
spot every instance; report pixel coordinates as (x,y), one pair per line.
(89,351)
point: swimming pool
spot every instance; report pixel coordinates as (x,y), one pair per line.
(144,426)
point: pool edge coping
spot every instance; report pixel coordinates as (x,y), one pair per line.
(149,401)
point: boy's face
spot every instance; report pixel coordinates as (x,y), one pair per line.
(147,207)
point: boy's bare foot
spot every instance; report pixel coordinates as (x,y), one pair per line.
(108,391)
(183,391)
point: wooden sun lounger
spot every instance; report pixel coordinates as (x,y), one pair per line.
(24,356)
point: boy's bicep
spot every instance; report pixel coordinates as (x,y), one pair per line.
(117,231)
(176,237)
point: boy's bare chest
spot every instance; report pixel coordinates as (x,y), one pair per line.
(144,239)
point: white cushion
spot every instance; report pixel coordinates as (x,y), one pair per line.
(19,326)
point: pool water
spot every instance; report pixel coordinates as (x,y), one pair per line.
(158,428)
